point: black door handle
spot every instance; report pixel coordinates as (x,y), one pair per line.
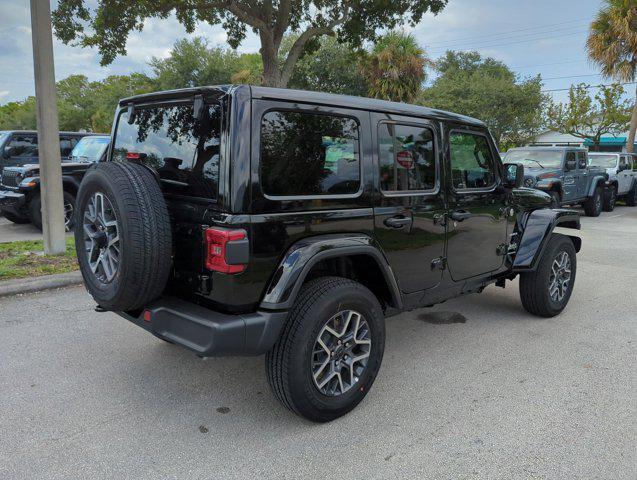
(459,215)
(397,222)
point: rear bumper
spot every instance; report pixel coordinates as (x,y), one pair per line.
(208,332)
(11,199)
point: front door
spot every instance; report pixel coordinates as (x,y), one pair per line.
(625,175)
(571,178)
(476,217)
(409,206)
(583,180)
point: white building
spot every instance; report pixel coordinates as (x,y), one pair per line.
(554,139)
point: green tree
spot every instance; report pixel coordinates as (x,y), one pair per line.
(395,68)
(108,24)
(194,63)
(18,115)
(589,117)
(487,89)
(612,44)
(332,68)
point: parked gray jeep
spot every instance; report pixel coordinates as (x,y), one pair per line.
(565,174)
(622,177)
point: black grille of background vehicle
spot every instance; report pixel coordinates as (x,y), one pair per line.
(10,178)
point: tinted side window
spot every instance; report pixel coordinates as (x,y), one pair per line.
(570,157)
(581,160)
(24,146)
(406,157)
(309,154)
(65,147)
(472,165)
(183,150)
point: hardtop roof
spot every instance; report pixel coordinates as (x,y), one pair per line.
(304,96)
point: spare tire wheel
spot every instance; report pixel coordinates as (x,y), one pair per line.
(122,235)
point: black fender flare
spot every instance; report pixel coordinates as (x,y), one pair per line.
(596,182)
(299,259)
(537,229)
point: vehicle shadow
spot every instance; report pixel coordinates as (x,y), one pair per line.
(175,382)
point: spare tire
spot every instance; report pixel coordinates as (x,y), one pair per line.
(122,235)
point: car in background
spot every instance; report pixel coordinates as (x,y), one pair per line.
(20,199)
(563,173)
(622,177)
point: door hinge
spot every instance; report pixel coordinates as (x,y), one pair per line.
(439,263)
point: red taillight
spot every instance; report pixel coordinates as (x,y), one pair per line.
(146,315)
(217,241)
(133,156)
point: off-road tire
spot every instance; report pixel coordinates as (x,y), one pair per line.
(35,210)
(15,218)
(288,363)
(610,199)
(631,196)
(593,205)
(534,286)
(556,199)
(145,237)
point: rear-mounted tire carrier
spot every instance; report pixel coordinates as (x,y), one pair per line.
(135,203)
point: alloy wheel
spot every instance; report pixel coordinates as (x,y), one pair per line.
(560,277)
(341,353)
(69,210)
(101,237)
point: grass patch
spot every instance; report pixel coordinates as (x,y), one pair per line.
(26,259)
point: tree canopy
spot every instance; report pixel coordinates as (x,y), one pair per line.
(487,89)
(108,24)
(590,117)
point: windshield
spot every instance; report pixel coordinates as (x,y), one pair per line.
(605,161)
(535,158)
(182,149)
(89,149)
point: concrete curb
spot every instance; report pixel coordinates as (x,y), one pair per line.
(38,284)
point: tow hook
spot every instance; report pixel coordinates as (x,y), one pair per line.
(99,309)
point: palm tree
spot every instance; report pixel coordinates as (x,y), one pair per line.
(395,68)
(612,44)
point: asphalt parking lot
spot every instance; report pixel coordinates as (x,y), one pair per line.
(473,388)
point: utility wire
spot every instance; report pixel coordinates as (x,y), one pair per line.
(573,76)
(588,86)
(442,50)
(539,27)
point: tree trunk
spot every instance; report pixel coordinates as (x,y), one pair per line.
(633,126)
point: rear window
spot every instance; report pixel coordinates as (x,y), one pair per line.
(89,149)
(184,151)
(307,154)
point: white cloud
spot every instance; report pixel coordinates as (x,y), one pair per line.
(4,93)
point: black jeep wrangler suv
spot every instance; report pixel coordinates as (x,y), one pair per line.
(242,220)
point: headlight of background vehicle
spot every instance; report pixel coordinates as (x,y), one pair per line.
(28,182)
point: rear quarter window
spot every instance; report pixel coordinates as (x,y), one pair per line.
(309,154)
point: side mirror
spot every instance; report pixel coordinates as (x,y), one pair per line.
(513,175)
(571,165)
(8,152)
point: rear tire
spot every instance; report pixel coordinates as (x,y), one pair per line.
(537,288)
(631,197)
(122,236)
(15,218)
(304,376)
(593,206)
(610,198)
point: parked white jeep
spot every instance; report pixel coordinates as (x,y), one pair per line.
(622,177)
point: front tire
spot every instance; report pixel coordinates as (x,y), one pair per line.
(35,211)
(593,206)
(546,291)
(330,350)
(15,218)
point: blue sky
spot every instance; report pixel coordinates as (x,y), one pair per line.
(533,37)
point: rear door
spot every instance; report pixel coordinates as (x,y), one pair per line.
(625,175)
(409,202)
(476,218)
(571,178)
(584,175)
